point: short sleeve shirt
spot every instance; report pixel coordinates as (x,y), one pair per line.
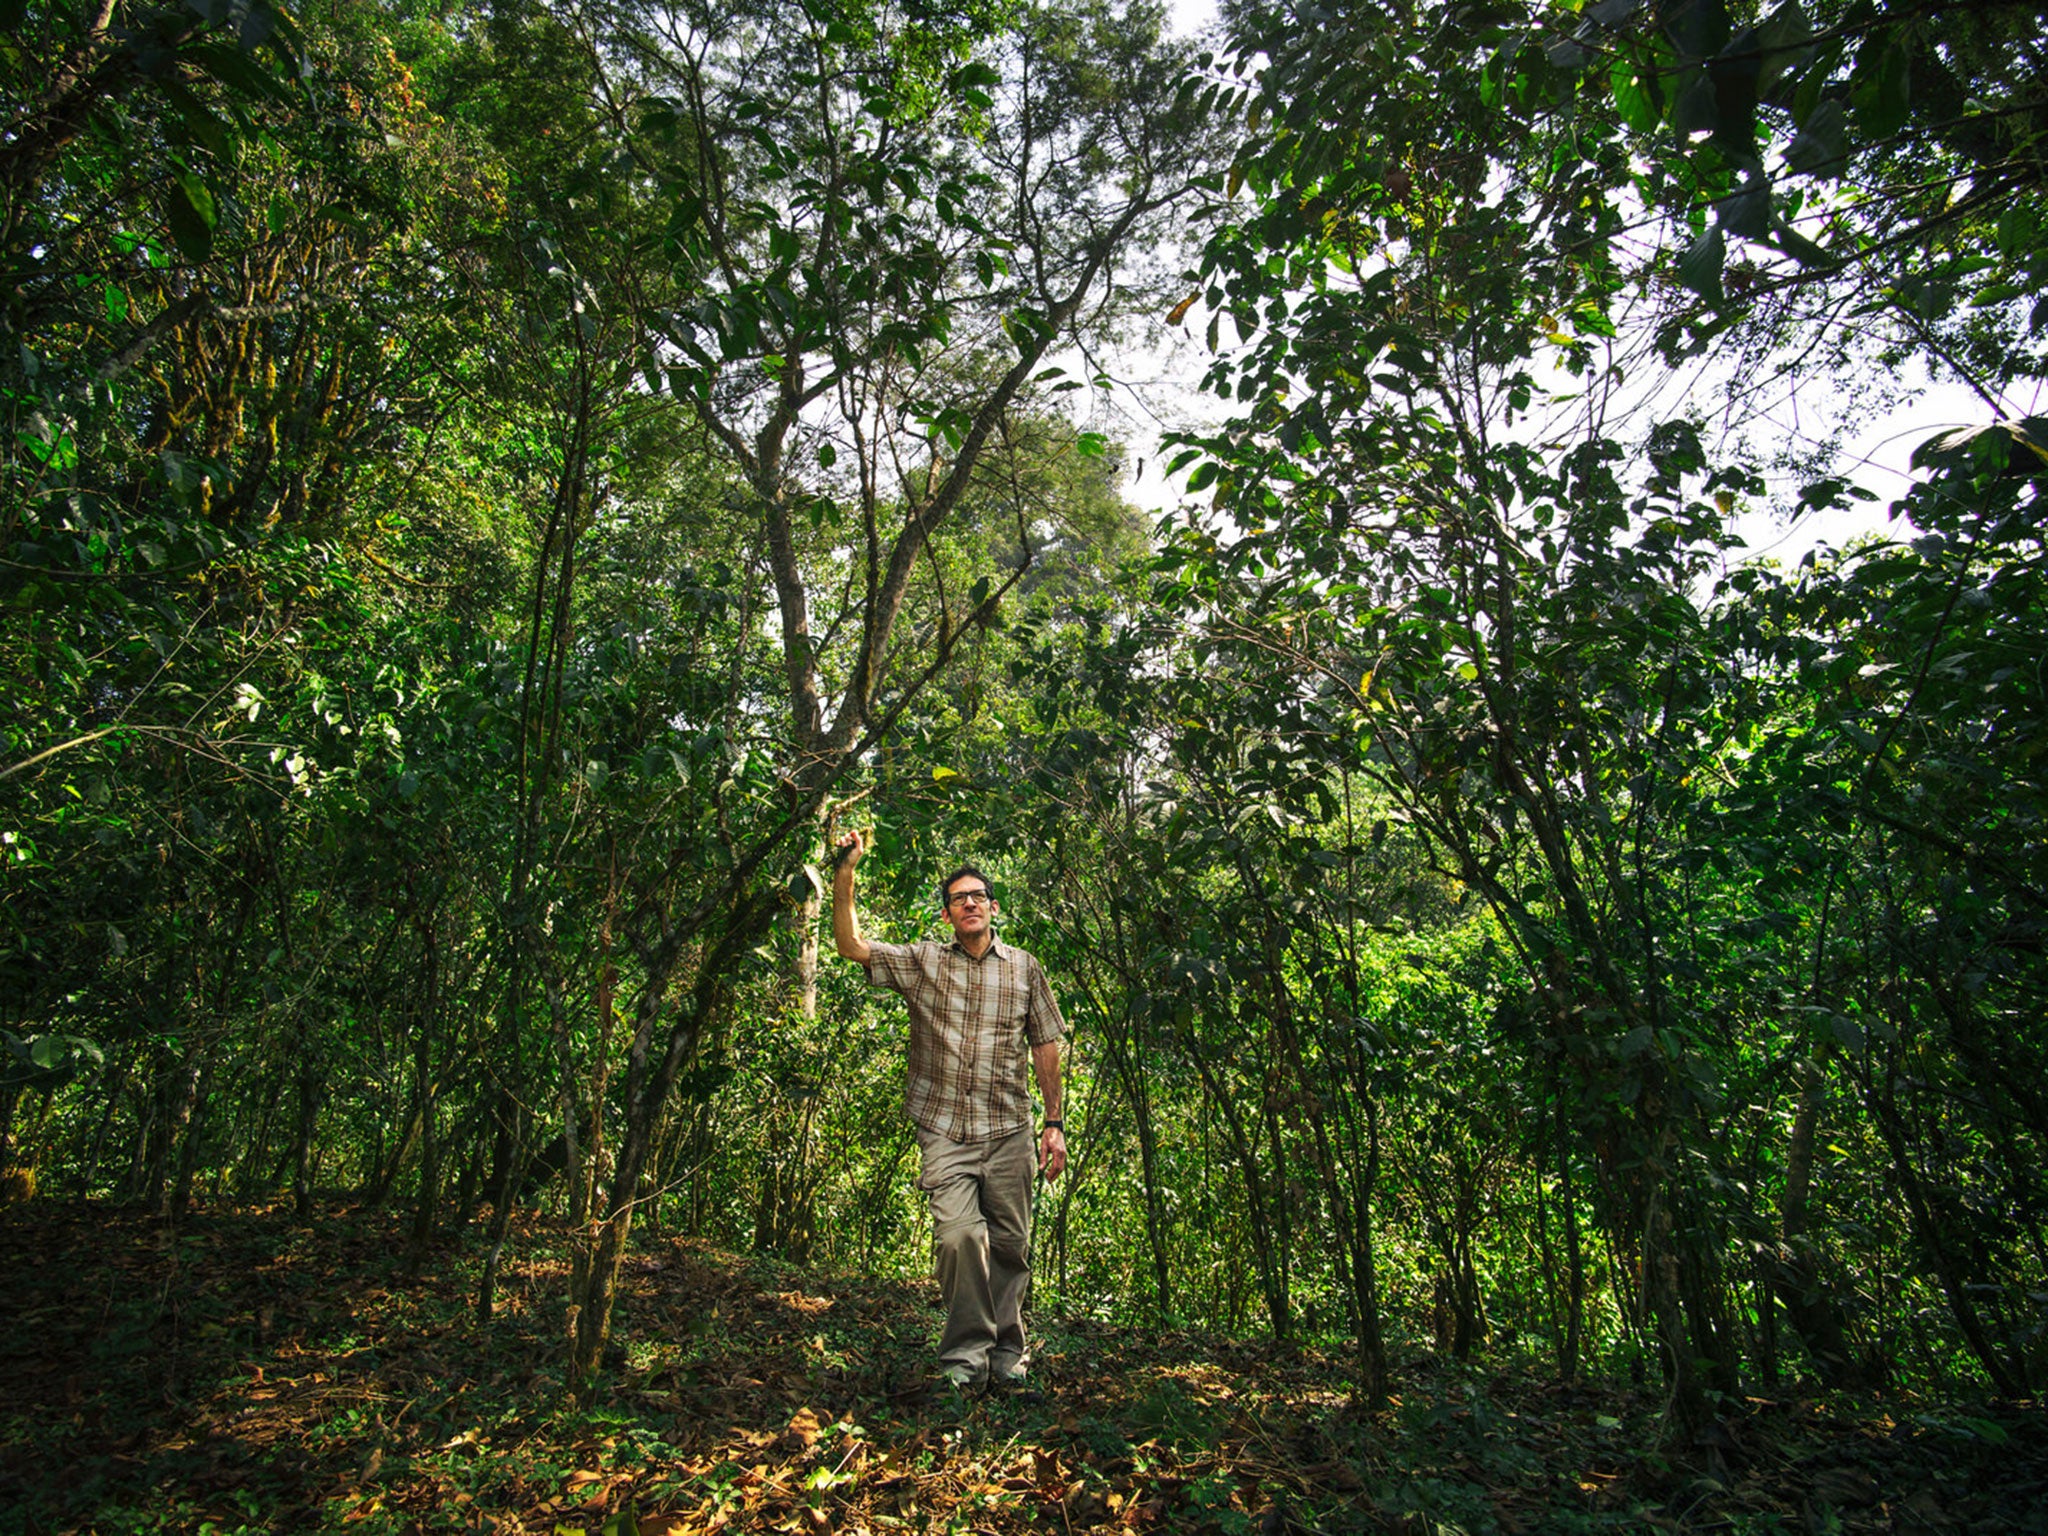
(971,1025)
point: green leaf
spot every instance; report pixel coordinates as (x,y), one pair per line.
(1818,149)
(1735,76)
(1697,28)
(1700,267)
(198,120)
(1697,112)
(235,66)
(1630,98)
(1800,248)
(1881,95)
(191,214)
(1783,38)
(1747,210)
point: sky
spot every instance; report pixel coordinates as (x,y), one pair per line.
(1160,372)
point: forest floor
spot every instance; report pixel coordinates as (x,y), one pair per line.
(240,1372)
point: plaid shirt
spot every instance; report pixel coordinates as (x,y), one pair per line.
(969,1021)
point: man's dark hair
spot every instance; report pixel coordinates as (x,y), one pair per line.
(965,870)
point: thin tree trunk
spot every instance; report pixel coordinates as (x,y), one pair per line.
(180,1093)
(312,1089)
(1122,1051)
(1794,1274)
(598,1248)
(193,1139)
(387,1173)
(1571,1350)
(2008,1377)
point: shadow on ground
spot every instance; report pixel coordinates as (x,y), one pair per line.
(241,1372)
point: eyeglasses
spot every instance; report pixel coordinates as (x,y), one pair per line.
(968,898)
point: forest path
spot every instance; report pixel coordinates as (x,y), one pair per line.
(240,1372)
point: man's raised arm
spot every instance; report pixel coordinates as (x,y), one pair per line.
(845,916)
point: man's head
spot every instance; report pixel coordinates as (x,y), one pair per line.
(967,903)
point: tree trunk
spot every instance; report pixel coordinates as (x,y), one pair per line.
(1571,1350)
(598,1248)
(1121,1045)
(1272,1275)
(2007,1377)
(387,1173)
(805,918)
(1372,1348)
(178,1089)
(1794,1272)
(312,1086)
(193,1139)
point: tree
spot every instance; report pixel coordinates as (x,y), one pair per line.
(849,194)
(1504,608)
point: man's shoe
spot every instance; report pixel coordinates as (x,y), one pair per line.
(956,1386)
(1017,1386)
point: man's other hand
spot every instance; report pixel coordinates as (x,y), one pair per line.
(1052,1152)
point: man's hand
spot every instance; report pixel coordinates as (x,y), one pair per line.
(846,935)
(1052,1152)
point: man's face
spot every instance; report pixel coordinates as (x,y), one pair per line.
(969,907)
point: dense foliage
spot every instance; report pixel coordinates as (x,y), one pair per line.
(490,489)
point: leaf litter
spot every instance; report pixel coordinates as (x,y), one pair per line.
(242,1372)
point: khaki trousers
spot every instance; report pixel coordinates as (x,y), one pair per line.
(980,1198)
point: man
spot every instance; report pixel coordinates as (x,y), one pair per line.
(977,1007)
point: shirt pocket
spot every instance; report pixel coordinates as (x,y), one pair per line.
(1015,1010)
